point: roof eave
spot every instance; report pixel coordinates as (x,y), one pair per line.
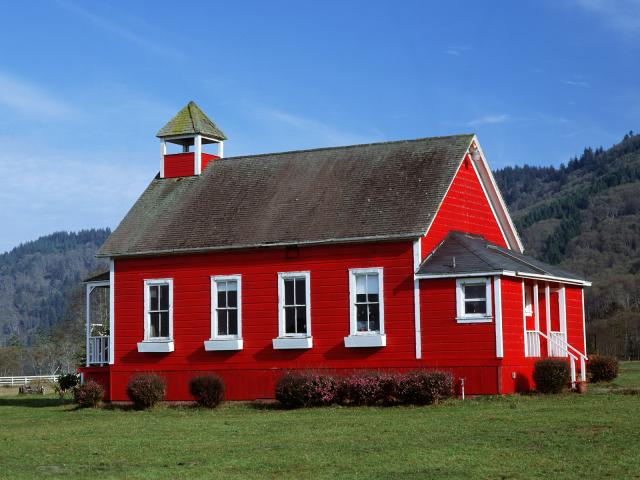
(505,273)
(334,241)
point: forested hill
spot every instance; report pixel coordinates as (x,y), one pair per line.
(37,277)
(585,216)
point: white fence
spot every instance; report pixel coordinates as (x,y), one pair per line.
(27,379)
(98,350)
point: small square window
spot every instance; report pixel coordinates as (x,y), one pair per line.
(473,300)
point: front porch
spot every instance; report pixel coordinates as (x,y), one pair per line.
(99,344)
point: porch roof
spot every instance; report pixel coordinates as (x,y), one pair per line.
(99,277)
(462,254)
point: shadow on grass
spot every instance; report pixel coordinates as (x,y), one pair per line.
(32,401)
(267,405)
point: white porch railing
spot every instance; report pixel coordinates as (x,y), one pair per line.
(98,350)
(24,380)
(557,348)
(533,343)
(558,343)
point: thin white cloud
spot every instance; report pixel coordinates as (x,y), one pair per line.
(31,100)
(489,120)
(456,51)
(119,31)
(576,83)
(621,15)
(312,130)
(48,190)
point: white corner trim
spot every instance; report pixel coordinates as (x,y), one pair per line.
(292,343)
(365,341)
(221,345)
(524,323)
(584,323)
(498,196)
(155,347)
(497,299)
(214,305)
(417,258)
(112,311)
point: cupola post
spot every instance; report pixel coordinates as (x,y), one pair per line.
(190,127)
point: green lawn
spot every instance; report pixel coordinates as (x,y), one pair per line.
(567,436)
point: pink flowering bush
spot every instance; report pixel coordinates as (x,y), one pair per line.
(306,389)
(368,388)
(89,394)
(424,387)
(146,389)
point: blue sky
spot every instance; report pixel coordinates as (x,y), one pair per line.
(84,86)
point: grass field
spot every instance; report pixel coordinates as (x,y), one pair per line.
(567,436)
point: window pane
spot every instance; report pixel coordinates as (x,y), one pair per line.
(361,284)
(372,283)
(233,322)
(290,320)
(164,324)
(222,322)
(475,307)
(373,297)
(361,317)
(361,298)
(288,291)
(374,318)
(164,297)
(301,298)
(154,323)
(475,291)
(222,299)
(301,319)
(232,298)
(153,297)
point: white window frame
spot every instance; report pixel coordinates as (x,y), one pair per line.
(461,316)
(156,344)
(293,340)
(224,342)
(365,339)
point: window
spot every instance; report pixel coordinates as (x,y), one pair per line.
(366,309)
(473,300)
(294,312)
(226,313)
(528,306)
(158,314)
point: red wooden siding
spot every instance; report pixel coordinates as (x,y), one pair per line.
(181,164)
(329,267)
(465,208)
(575,326)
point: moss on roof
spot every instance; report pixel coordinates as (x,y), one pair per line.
(191,121)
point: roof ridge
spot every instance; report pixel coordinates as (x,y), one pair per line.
(357,145)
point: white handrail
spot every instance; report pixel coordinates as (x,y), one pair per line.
(567,346)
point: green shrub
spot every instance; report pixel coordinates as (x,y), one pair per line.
(66,383)
(602,369)
(90,394)
(146,389)
(424,387)
(208,390)
(551,375)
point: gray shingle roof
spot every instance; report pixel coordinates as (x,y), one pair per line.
(190,121)
(355,193)
(473,254)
